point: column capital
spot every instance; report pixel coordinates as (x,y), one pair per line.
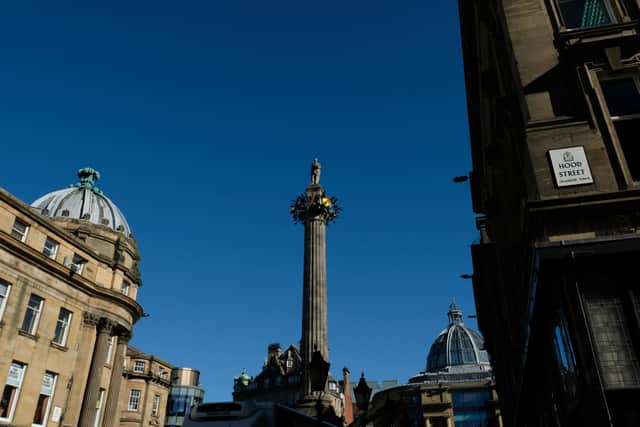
(90,320)
(124,336)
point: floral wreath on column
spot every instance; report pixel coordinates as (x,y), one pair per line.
(305,206)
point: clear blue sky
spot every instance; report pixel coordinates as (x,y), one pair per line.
(203,118)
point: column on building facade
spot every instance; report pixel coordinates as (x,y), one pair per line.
(111,416)
(92,392)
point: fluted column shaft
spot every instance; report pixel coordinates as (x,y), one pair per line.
(92,392)
(111,407)
(314,303)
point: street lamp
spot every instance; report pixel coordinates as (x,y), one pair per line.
(363,394)
(318,373)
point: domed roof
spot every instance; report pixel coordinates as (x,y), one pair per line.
(456,346)
(83,201)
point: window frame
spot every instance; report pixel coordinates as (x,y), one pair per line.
(133,404)
(77,264)
(5,297)
(599,76)
(16,396)
(66,327)
(99,404)
(53,254)
(124,288)
(613,15)
(38,313)
(23,235)
(45,416)
(155,407)
(112,344)
(616,10)
(139,366)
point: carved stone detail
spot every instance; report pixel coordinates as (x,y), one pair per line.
(90,320)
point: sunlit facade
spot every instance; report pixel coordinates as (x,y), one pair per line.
(455,390)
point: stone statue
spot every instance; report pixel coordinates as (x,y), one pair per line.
(315,171)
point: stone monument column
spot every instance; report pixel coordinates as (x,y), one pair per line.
(92,392)
(111,416)
(314,299)
(314,209)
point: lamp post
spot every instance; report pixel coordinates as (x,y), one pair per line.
(318,372)
(362,393)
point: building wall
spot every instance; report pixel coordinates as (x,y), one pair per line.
(434,405)
(537,82)
(152,381)
(92,297)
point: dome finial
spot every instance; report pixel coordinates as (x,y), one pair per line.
(454,313)
(88,177)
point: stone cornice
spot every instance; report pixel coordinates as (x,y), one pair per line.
(64,274)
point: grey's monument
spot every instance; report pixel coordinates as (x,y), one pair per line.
(314,209)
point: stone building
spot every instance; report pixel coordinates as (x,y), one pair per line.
(279,381)
(69,281)
(553,94)
(456,388)
(145,390)
(185,392)
(68,285)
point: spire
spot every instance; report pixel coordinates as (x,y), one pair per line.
(454,313)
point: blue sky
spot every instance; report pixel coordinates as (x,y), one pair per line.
(203,118)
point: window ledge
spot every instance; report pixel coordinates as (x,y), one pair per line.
(567,38)
(58,346)
(28,335)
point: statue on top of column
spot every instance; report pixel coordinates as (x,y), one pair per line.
(315,171)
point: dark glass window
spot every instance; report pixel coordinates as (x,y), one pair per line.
(470,408)
(612,341)
(585,13)
(623,101)
(565,356)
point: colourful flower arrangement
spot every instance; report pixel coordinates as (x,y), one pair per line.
(304,207)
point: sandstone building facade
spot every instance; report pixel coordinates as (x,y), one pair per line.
(553,94)
(145,389)
(69,281)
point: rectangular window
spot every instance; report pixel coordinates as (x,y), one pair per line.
(156,405)
(11,390)
(96,421)
(585,13)
(618,361)
(20,230)
(124,289)
(134,400)
(623,101)
(138,366)
(77,265)
(565,356)
(44,400)
(50,249)
(110,349)
(32,314)
(62,327)
(4,294)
